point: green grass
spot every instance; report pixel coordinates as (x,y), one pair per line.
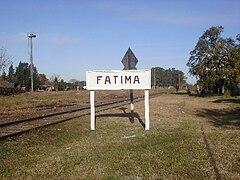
(173,148)
(64,151)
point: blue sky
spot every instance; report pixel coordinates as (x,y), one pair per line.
(76,36)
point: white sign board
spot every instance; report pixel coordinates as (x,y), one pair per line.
(118,79)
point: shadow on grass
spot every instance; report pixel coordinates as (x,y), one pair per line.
(130,115)
(228,100)
(180,93)
(194,94)
(221,117)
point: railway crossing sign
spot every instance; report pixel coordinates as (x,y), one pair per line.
(129,60)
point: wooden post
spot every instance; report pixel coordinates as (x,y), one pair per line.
(147,110)
(92,110)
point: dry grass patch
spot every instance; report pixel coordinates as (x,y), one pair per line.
(30,103)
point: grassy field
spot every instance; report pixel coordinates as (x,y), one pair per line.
(189,138)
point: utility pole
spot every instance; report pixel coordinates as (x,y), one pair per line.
(30,36)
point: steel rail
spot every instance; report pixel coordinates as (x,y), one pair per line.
(11,128)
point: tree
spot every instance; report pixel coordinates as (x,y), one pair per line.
(56,83)
(208,59)
(5,60)
(43,79)
(22,75)
(157,76)
(167,77)
(73,84)
(62,85)
(237,58)
(3,76)
(55,78)
(238,38)
(11,73)
(232,69)
(36,81)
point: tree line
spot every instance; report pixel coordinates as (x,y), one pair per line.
(215,61)
(20,76)
(167,77)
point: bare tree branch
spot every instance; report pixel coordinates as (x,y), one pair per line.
(5,60)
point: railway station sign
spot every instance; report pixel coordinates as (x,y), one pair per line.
(129,78)
(118,79)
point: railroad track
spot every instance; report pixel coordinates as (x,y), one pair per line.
(17,126)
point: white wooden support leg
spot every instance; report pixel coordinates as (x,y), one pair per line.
(147,110)
(92,110)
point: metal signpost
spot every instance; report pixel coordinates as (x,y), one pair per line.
(118,80)
(130,61)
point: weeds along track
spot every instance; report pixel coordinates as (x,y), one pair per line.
(11,127)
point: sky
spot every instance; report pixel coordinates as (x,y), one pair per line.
(75,36)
